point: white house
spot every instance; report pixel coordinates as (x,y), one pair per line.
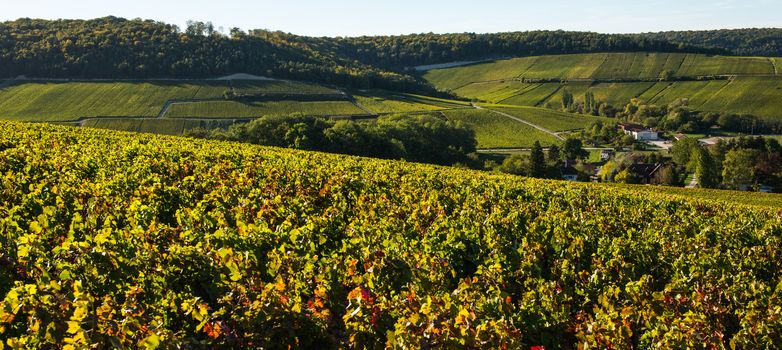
(639,133)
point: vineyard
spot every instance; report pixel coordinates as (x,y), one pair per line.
(493,130)
(552,120)
(747,85)
(68,101)
(125,240)
(755,95)
(602,66)
(232,109)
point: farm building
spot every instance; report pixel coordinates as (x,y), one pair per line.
(640,133)
(645,172)
(570,173)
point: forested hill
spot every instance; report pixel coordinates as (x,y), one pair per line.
(113,47)
(118,48)
(742,42)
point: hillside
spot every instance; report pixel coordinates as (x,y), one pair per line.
(178,106)
(142,240)
(175,106)
(750,85)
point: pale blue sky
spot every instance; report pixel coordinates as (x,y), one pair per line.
(354,17)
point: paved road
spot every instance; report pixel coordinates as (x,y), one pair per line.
(693,183)
(522,121)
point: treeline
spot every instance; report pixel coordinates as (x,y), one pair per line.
(745,163)
(550,164)
(418,138)
(743,42)
(118,48)
(394,52)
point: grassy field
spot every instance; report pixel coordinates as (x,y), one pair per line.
(496,131)
(549,119)
(600,66)
(157,126)
(232,109)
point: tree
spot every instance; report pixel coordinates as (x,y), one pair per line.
(574,149)
(515,164)
(627,140)
(237,33)
(705,168)
(608,171)
(553,154)
(567,99)
(589,103)
(625,177)
(667,176)
(682,152)
(537,166)
(738,169)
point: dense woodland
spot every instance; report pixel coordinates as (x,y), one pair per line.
(421,49)
(742,42)
(418,138)
(113,47)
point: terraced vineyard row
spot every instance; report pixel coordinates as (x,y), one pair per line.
(153,241)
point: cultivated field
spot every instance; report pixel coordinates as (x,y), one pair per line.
(233,109)
(493,130)
(67,101)
(153,241)
(279,86)
(384,102)
(56,101)
(157,126)
(549,119)
(603,66)
(761,96)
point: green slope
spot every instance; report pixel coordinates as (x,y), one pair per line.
(493,130)
(232,109)
(549,119)
(602,66)
(65,101)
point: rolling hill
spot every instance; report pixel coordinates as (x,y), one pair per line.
(750,85)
